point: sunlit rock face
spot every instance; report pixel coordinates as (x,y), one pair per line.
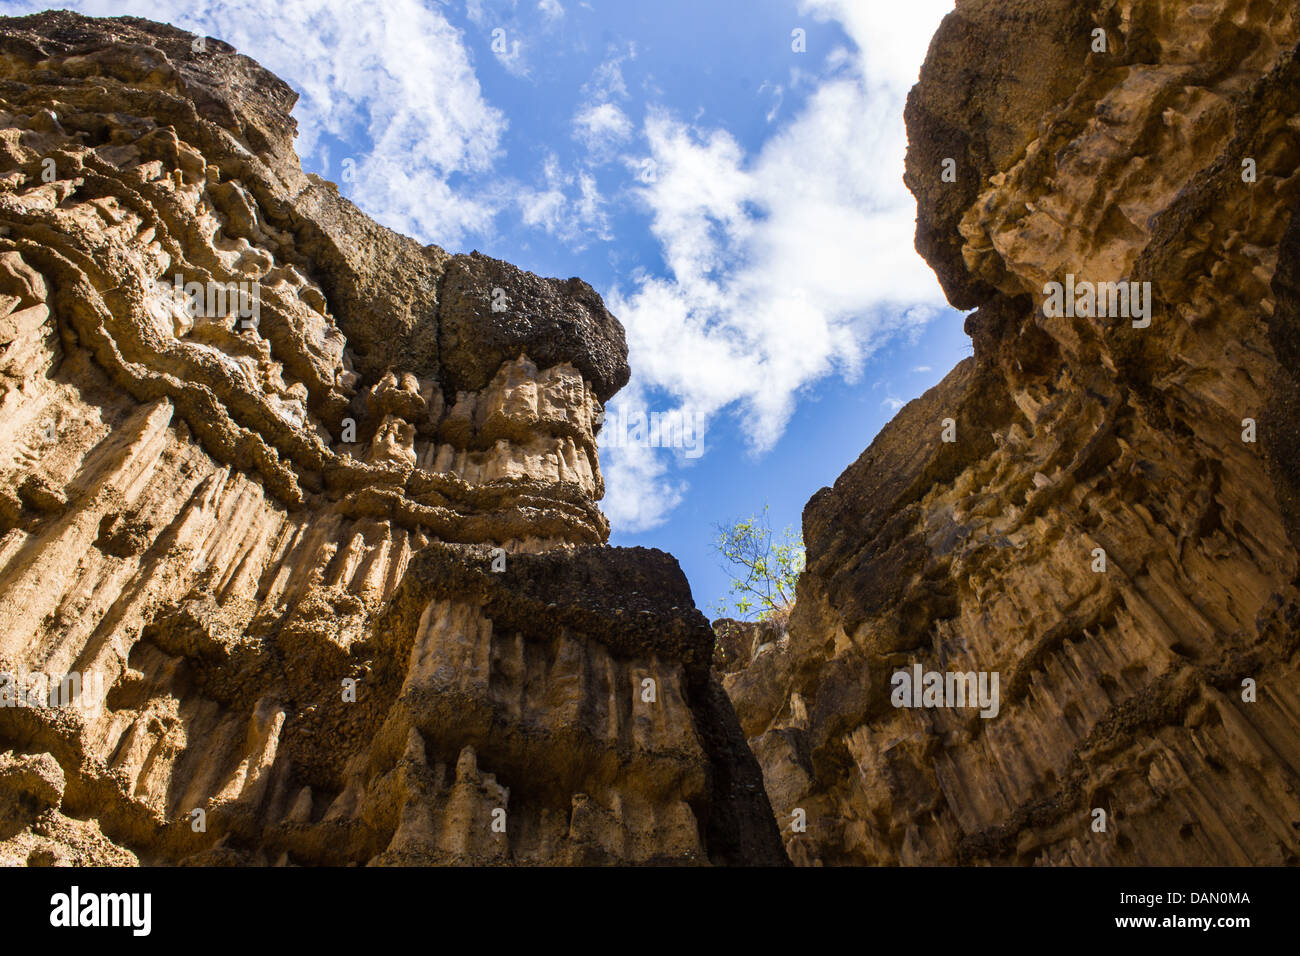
(1113,528)
(312,511)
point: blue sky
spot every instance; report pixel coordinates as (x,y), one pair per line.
(727,173)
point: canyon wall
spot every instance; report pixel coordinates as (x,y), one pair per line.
(300,553)
(1101,511)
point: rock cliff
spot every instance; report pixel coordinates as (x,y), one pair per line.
(300,553)
(1100,509)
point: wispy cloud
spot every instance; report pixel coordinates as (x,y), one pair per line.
(601,128)
(777,92)
(569,206)
(607,81)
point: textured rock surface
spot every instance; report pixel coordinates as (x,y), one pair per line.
(228,522)
(1121,690)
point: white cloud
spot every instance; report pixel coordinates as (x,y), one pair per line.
(639,490)
(786,265)
(607,81)
(551,9)
(572,217)
(398,72)
(475,12)
(599,123)
(777,92)
(601,127)
(509,51)
(892,39)
(502,33)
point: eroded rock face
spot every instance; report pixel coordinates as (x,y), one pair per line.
(1121,689)
(256,453)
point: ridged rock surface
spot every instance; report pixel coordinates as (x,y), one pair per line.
(237,526)
(1120,690)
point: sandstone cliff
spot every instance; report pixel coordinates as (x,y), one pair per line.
(329,538)
(1169,156)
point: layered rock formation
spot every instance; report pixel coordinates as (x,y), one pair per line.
(300,555)
(1113,529)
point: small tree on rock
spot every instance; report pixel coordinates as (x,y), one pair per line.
(765,567)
